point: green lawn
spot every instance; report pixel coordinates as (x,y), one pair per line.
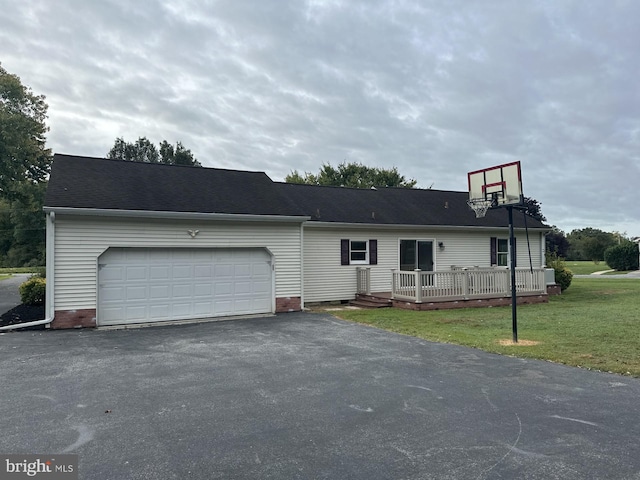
(593,324)
(586,268)
(4,276)
(5,270)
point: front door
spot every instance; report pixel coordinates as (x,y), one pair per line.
(416,254)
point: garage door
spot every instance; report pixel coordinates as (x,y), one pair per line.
(154,284)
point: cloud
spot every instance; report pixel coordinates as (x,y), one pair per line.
(435,88)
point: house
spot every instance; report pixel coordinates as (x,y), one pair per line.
(136,242)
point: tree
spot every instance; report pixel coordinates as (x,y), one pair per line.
(589,244)
(557,243)
(22,227)
(178,155)
(23,156)
(623,256)
(534,209)
(352,175)
(145,151)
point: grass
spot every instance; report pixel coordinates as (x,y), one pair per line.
(594,324)
(4,276)
(8,270)
(586,267)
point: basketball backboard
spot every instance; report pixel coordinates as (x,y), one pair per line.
(501,184)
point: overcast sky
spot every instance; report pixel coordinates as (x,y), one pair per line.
(435,88)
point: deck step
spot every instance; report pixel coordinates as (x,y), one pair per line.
(370,301)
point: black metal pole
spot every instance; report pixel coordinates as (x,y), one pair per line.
(514,298)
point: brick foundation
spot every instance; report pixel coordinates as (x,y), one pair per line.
(74,318)
(288,304)
(483,302)
(554,290)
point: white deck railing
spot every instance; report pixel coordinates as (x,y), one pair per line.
(464,283)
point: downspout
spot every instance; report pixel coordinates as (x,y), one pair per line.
(49,306)
(302,266)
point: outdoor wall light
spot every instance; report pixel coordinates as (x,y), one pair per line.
(441,245)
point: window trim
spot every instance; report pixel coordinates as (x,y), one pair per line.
(370,252)
(352,251)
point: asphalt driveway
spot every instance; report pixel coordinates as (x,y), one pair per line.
(307,396)
(9,291)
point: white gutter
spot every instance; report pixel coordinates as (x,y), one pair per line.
(106,212)
(49,311)
(317,224)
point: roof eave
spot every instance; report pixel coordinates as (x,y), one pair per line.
(105,212)
(318,224)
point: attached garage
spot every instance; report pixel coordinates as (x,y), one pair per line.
(137,285)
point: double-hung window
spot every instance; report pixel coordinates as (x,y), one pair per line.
(500,252)
(358,252)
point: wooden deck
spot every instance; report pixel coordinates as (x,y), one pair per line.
(384,299)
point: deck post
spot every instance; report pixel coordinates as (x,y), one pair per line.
(465,283)
(394,284)
(418,274)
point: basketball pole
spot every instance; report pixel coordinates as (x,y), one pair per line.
(514,299)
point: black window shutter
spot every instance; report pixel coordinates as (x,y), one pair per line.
(373,252)
(344,252)
(494,251)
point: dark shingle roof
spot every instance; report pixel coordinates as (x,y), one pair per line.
(82,182)
(396,206)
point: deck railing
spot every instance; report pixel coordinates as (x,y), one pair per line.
(464,283)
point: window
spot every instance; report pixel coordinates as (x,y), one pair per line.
(502,259)
(416,254)
(500,252)
(358,252)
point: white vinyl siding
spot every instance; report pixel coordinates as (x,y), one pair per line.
(326,280)
(81,240)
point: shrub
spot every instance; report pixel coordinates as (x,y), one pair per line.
(32,291)
(623,256)
(563,275)
(39,272)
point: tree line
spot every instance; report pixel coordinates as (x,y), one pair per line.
(25,162)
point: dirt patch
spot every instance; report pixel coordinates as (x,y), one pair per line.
(521,343)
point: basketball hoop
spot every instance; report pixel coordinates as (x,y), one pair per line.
(480,206)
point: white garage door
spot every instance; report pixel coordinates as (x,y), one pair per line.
(154,284)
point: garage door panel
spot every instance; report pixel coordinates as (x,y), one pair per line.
(203,271)
(182,272)
(136,272)
(181,310)
(203,289)
(135,312)
(159,312)
(147,284)
(202,308)
(111,273)
(184,290)
(159,292)
(159,272)
(112,294)
(136,293)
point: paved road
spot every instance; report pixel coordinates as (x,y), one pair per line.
(307,396)
(9,294)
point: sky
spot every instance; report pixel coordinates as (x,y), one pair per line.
(435,88)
